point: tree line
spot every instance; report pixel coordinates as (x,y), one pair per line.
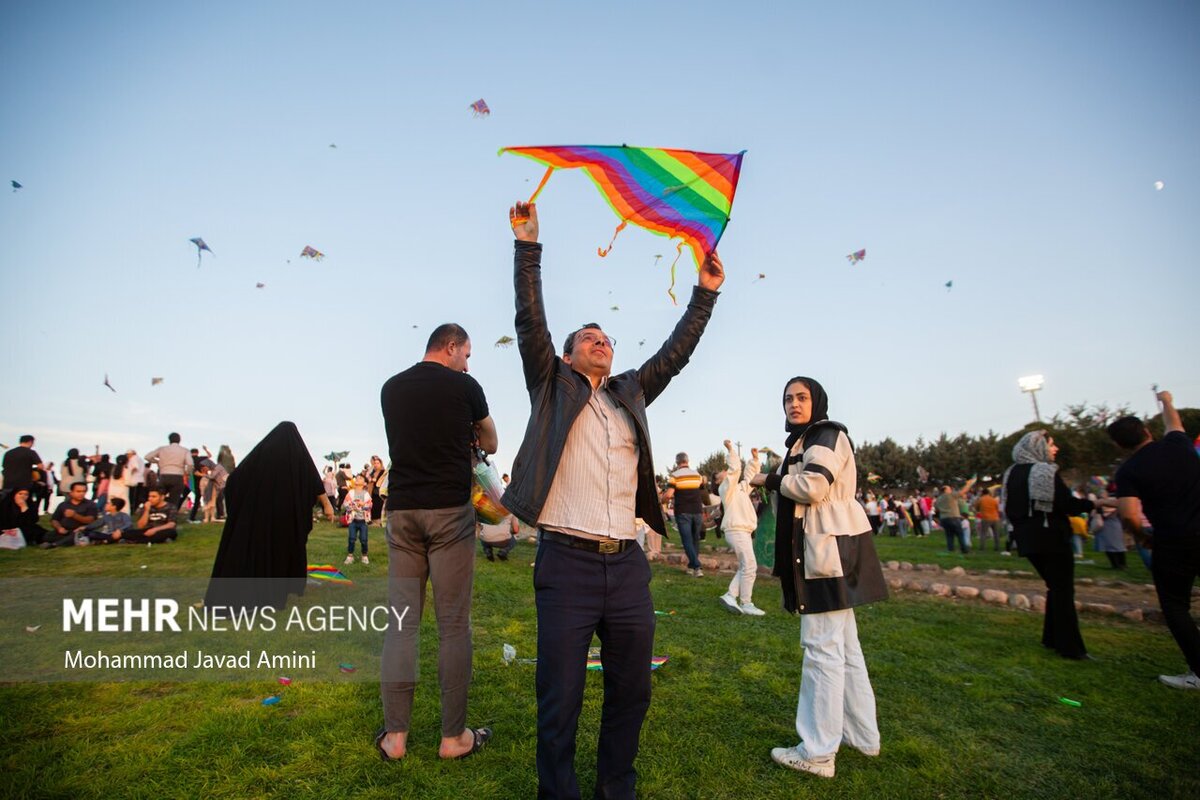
(1079,431)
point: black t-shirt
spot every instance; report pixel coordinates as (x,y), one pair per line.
(429,412)
(1165,475)
(84,508)
(18,466)
(158,516)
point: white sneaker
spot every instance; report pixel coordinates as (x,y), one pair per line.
(698,573)
(1188,680)
(730,602)
(366,560)
(349,560)
(796,758)
(870,752)
(751,610)
(691,572)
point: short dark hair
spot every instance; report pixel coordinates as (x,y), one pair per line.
(1127,432)
(75,486)
(569,343)
(156,490)
(444,335)
(173,438)
(118,503)
(27,439)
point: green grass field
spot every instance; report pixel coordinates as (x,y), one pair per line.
(968,703)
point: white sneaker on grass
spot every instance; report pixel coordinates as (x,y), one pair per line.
(751,610)
(870,752)
(798,759)
(366,560)
(1187,680)
(730,602)
(349,559)
(698,573)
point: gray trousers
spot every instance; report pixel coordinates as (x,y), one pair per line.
(989,528)
(438,544)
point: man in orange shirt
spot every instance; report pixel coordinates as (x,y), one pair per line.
(987,509)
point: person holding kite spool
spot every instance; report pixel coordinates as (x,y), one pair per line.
(826,562)
(583,474)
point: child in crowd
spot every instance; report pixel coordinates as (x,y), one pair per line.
(110,527)
(738,522)
(498,539)
(358,504)
(890,521)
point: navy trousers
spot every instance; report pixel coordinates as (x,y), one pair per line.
(578,594)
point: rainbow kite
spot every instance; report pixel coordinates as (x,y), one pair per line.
(328,573)
(680,194)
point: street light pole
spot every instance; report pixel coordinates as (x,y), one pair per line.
(1031,384)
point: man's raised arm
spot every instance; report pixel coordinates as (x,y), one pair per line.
(533,334)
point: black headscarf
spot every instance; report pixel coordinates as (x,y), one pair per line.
(820,409)
(269,500)
(11,516)
(785,511)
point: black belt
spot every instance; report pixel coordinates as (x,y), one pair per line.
(607,546)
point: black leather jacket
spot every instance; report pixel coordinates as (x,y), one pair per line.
(557,393)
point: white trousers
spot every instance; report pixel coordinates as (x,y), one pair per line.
(836,702)
(742,585)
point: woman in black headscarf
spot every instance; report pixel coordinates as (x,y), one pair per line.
(269,500)
(826,562)
(19,510)
(1038,504)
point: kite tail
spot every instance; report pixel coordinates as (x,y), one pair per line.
(671,288)
(607,250)
(533,197)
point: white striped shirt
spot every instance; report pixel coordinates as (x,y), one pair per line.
(595,485)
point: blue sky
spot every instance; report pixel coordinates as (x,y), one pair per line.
(1009,147)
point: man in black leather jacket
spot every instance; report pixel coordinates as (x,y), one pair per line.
(583,473)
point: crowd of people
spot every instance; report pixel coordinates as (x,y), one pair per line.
(583,480)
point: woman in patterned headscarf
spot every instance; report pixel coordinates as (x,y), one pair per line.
(826,562)
(1038,504)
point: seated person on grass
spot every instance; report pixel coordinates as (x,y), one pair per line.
(155,522)
(71,517)
(113,525)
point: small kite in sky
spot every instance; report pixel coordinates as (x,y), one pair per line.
(155,381)
(857,256)
(657,258)
(872,477)
(337,456)
(615,308)
(1158,186)
(641,342)
(200,247)
(260,286)
(311,252)
(949,285)
(109,385)
(505,341)
(16,185)
(480,108)
(681,194)
(332,146)
(761,275)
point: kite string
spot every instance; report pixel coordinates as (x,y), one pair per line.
(605,251)
(533,197)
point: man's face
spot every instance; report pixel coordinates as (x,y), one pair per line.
(458,355)
(797,403)
(591,353)
(155,497)
(77,492)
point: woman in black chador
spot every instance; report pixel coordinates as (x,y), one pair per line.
(269,500)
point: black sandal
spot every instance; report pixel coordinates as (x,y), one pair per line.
(382,732)
(482,737)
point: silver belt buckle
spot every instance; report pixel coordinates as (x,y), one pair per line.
(608,546)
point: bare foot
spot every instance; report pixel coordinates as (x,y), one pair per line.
(455,746)
(395,744)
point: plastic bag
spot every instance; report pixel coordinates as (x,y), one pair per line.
(12,539)
(486,490)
